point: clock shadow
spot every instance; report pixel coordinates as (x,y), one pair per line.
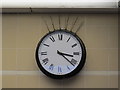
(71,82)
(62,83)
(68,82)
(54,83)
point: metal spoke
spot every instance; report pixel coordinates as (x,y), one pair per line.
(67,22)
(74,23)
(81,24)
(52,23)
(46,24)
(59,22)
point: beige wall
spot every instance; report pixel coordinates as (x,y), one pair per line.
(22,32)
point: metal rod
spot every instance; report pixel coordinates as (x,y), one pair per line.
(74,23)
(67,22)
(52,23)
(59,22)
(46,24)
(79,27)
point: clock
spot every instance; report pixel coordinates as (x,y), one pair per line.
(60,54)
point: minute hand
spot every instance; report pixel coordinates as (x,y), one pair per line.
(68,60)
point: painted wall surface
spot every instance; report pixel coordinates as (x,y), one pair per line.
(22,32)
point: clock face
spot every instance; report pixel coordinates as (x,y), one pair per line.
(60,54)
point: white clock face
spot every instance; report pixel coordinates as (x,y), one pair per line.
(59,52)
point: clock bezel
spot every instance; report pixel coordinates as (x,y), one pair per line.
(72,73)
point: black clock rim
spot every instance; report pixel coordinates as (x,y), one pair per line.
(76,70)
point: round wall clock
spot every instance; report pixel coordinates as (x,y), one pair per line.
(60,54)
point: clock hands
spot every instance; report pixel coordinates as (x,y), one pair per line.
(62,54)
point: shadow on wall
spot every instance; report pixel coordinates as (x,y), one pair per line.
(68,82)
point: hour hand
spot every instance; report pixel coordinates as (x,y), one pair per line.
(65,57)
(60,53)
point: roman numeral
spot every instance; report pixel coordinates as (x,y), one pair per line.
(51,67)
(43,53)
(68,39)
(45,61)
(75,53)
(68,68)
(59,69)
(52,39)
(46,45)
(74,45)
(60,36)
(74,62)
